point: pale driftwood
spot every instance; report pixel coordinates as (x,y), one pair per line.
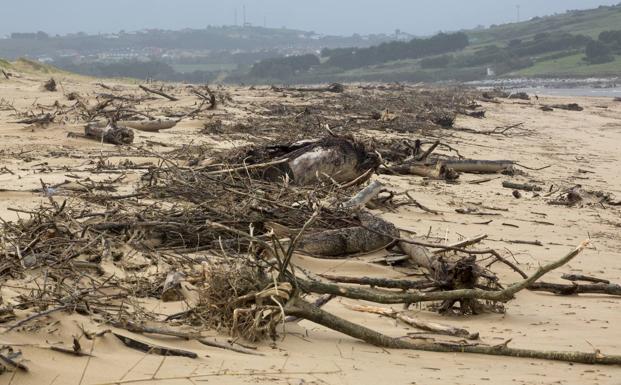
(464,243)
(374,234)
(419,255)
(402,284)
(160,93)
(109,133)
(433,171)
(148,125)
(364,196)
(521,186)
(303,309)
(585,278)
(153,349)
(478,166)
(433,327)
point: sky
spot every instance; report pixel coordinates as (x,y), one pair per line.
(336,17)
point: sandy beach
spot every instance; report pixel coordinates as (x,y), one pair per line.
(580,147)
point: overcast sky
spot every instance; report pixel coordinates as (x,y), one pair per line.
(343,17)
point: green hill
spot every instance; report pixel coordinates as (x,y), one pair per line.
(563,45)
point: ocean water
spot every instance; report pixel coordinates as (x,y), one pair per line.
(578,91)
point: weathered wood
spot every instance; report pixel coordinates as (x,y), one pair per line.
(402,284)
(148,125)
(302,309)
(364,196)
(521,186)
(391,297)
(573,289)
(153,349)
(374,234)
(433,327)
(160,93)
(478,166)
(433,171)
(109,133)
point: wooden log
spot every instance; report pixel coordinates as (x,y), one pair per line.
(391,297)
(303,309)
(479,166)
(402,284)
(148,125)
(521,186)
(364,196)
(433,327)
(153,349)
(585,278)
(160,93)
(573,289)
(109,133)
(433,171)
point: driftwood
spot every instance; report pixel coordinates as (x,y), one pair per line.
(160,93)
(585,278)
(153,349)
(478,166)
(50,85)
(373,234)
(364,196)
(575,288)
(402,284)
(148,125)
(42,119)
(433,171)
(391,297)
(303,309)
(433,327)
(521,186)
(109,133)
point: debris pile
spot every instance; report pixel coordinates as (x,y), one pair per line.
(222,231)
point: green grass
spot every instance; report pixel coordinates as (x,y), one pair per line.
(573,65)
(589,22)
(4,64)
(27,65)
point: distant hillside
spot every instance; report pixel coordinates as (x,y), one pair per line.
(574,44)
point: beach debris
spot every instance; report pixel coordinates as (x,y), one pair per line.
(50,85)
(109,133)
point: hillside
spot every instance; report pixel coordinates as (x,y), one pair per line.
(573,44)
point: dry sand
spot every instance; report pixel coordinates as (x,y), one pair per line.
(565,140)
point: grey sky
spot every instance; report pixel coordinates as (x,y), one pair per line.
(420,17)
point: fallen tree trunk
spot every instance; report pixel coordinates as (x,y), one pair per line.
(433,327)
(521,186)
(148,125)
(109,133)
(573,289)
(478,166)
(433,171)
(302,309)
(391,297)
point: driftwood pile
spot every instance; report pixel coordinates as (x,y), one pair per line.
(224,240)
(223,232)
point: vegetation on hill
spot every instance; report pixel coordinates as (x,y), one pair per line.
(576,43)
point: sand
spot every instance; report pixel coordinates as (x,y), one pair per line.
(567,141)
